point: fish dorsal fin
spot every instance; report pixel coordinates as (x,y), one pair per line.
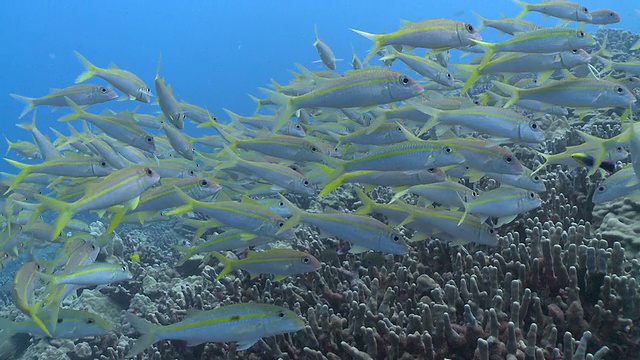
(191,313)
(249,201)
(404,23)
(113,66)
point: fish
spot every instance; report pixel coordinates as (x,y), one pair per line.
(446,193)
(579,93)
(247,215)
(98,273)
(366,233)
(168,104)
(123,80)
(81,94)
(617,186)
(560,9)
(324,51)
(122,186)
(359,88)
(127,132)
(604,17)
(179,142)
(423,66)
(279,262)
(25,282)
(506,25)
(243,323)
(504,203)
(71,324)
(228,240)
(441,34)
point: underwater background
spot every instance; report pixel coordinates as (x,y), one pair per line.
(559,282)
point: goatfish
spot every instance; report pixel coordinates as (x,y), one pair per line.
(90,275)
(26,281)
(617,186)
(604,17)
(507,25)
(545,40)
(366,233)
(372,178)
(123,80)
(122,186)
(244,324)
(441,34)
(505,203)
(82,94)
(279,262)
(358,88)
(324,51)
(71,324)
(168,104)
(560,9)
(248,215)
(228,240)
(578,93)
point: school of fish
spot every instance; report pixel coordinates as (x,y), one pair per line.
(405,121)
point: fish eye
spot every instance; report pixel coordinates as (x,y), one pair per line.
(192,173)
(306,259)
(448,149)
(305,182)
(123,268)
(611,14)
(574,51)
(619,149)
(297,126)
(534,126)
(281,314)
(580,33)
(619,89)
(474,193)
(281,203)
(280,224)
(204,183)
(103,163)
(431,170)
(508,159)
(404,79)
(148,171)
(149,139)
(585,10)
(148,90)
(90,321)
(396,238)
(536,178)
(60,320)
(476,102)
(601,188)
(532,195)
(399,129)
(103,90)
(313,148)
(448,76)
(491,231)
(469,28)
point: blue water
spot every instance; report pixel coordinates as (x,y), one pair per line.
(214,53)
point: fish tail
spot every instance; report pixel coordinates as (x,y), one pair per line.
(66,212)
(525,8)
(158,68)
(78,112)
(27,101)
(475,74)
(90,69)
(231,161)
(24,172)
(483,21)
(315,29)
(340,169)
(377,43)
(257,101)
(149,332)
(333,184)
(188,206)
(33,314)
(512,91)
(188,252)
(367,203)
(432,112)
(53,307)
(228,264)
(398,195)
(8,329)
(545,163)
(287,107)
(296,217)
(635,46)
